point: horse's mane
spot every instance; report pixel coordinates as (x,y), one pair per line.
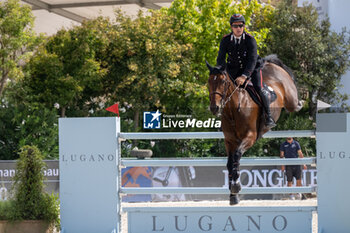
(217,70)
(272,58)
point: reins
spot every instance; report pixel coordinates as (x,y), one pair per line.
(229,98)
(227,75)
(223,96)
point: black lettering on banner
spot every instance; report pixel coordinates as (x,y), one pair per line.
(73,158)
(110,157)
(250,219)
(91,158)
(334,155)
(229,222)
(284,223)
(177,224)
(82,158)
(321,155)
(208,224)
(154,225)
(101,157)
(342,154)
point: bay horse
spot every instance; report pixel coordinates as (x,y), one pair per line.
(242,119)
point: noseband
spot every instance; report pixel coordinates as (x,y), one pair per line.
(223,96)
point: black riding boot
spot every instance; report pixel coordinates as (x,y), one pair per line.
(269,122)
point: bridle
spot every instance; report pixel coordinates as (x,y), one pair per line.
(227,85)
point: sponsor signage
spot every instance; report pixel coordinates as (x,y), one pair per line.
(251,176)
(89,183)
(8,171)
(219,219)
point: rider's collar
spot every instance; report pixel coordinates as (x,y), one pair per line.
(239,38)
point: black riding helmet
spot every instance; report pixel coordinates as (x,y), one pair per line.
(237,18)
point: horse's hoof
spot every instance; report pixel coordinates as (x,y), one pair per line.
(300,105)
(235,188)
(234,200)
(270,126)
(270,123)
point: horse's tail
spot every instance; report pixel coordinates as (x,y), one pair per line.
(272,58)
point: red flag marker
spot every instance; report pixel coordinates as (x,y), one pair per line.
(114,108)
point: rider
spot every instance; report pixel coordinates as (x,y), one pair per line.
(243,61)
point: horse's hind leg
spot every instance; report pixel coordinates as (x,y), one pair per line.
(294,105)
(291,99)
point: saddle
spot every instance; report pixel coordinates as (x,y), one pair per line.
(248,86)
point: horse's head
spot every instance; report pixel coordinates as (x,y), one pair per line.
(218,87)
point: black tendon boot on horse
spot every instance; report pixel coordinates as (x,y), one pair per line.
(269,122)
(234,186)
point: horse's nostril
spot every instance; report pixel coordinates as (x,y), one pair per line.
(214,108)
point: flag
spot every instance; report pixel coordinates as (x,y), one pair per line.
(322,105)
(114,108)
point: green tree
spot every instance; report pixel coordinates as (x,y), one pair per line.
(17,39)
(30,202)
(68,71)
(148,67)
(48,84)
(25,122)
(318,56)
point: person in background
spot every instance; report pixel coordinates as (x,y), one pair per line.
(291,149)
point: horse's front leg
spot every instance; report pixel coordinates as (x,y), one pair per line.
(235,153)
(232,165)
(233,161)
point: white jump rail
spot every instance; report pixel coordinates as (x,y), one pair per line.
(209,135)
(216,190)
(215,162)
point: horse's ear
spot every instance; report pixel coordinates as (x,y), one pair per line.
(209,66)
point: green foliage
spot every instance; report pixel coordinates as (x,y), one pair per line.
(47,82)
(318,56)
(5,209)
(30,202)
(68,70)
(17,39)
(23,123)
(150,68)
